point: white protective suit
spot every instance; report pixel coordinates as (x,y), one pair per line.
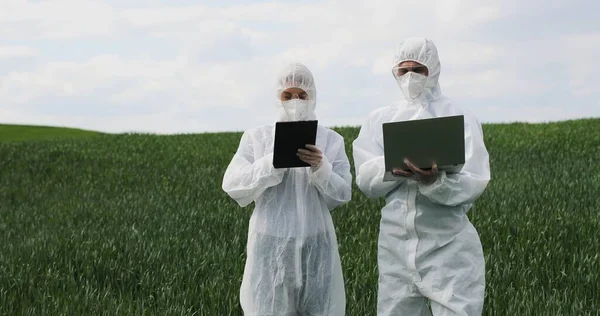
(427,247)
(293,265)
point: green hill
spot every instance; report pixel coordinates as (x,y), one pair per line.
(24,132)
(138,224)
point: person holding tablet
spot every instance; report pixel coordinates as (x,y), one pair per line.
(293,265)
(428,249)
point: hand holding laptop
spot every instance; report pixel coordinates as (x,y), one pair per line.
(426,177)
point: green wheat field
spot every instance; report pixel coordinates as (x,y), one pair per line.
(137,224)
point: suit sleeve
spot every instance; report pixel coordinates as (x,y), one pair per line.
(246,178)
(369,161)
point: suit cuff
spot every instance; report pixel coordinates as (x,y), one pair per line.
(430,189)
(323,172)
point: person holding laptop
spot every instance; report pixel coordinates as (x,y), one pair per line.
(428,249)
(293,265)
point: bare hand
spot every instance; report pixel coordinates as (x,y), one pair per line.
(403,173)
(312,156)
(425,177)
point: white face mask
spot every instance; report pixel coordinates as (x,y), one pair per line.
(296,109)
(412,85)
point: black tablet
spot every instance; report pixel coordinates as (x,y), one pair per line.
(289,137)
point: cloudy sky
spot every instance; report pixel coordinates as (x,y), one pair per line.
(185,66)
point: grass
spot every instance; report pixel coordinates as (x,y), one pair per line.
(138,225)
(23,132)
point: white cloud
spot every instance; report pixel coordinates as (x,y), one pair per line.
(580,53)
(8,52)
(227,57)
(57,19)
(127,82)
(492,83)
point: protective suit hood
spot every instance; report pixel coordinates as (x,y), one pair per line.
(423,51)
(296,75)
